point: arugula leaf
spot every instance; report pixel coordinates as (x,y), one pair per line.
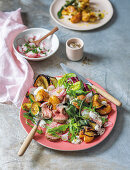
(55,130)
(27,116)
(59,13)
(71,111)
(69,3)
(104,119)
(73,129)
(48,121)
(35,51)
(38,131)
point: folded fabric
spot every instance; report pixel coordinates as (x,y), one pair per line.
(16,75)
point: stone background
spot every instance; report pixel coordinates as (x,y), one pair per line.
(106,61)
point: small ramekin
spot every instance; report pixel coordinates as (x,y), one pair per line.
(74,54)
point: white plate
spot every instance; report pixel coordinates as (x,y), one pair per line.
(53,40)
(102,5)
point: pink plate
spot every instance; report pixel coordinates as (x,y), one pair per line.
(66,146)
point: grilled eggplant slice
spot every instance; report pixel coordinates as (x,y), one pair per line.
(26,106)
(35,108)
(31,97)
(27,95)
(105,110)
(53,81)
(96,101)
(42,80)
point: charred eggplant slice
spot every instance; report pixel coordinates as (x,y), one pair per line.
(31,97)
(41,80)
(27,95)
(26,106)
(53,81)
(35,108)
(96,101)
(105,110)
(45,81)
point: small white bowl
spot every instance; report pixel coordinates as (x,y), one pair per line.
(33,31)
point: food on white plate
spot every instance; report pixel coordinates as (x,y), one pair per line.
(31,50)
(80,10)
(72,111)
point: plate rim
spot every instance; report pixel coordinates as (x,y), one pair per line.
(115,112)
(77,29)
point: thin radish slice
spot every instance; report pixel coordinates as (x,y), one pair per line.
(107,124)
(31,90)
(51,87)
(32,44)
(89,97)
(19,49)
(30,54)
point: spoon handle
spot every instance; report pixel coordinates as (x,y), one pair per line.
(50,33)
(28,139)
(107,95)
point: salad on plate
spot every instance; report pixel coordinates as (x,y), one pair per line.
(72,111)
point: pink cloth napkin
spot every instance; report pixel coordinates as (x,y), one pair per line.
(16,75)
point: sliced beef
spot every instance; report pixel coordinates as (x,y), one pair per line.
(60,118)
(54,124)
(52,138)
(46,112)
(49,136)
(60,115)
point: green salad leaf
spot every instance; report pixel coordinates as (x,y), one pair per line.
(38,131)
(71,110)
(55,130)
(68,2)
(77,86)
(104,119)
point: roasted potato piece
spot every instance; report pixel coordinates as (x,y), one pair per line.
(75,104)
(70,10)
(54,101)
(42,96)
(96,102)
(76,18)
(105,110)
(89,138)
(81,134)
(88,16)
(87,135)
(86,1)
(81,97)
(93,17)
(85,16)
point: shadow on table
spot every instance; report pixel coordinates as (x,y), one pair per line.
(104,145)
(90,58)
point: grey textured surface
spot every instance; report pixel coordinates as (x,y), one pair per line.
(106,61)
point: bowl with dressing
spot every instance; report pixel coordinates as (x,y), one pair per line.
(23,44)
